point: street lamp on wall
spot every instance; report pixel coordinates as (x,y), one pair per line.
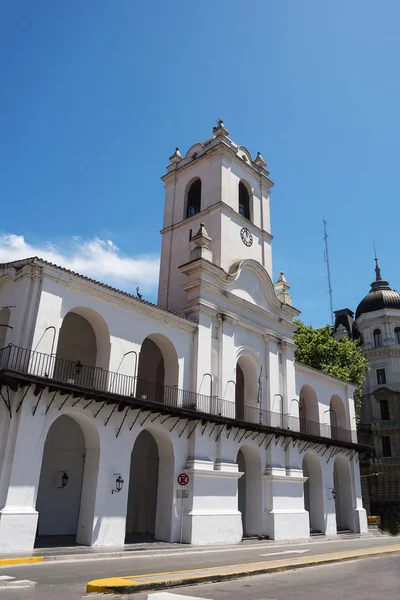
(64,480)
(119,483)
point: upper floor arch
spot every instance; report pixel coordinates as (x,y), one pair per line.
(308,410)
(83,348)
(4,325)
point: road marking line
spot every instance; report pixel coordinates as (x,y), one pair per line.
(286,552)
(6,578)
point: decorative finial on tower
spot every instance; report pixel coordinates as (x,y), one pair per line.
(377,269)
(259,161)
(220,129)
(201,238)
(176,157)
(201,241)
(282,288)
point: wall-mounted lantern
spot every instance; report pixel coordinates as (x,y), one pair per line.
(333,493)
(78,367)
(119,482)
(64,480)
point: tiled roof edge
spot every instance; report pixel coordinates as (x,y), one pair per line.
(36,259)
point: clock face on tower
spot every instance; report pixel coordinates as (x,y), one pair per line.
(246,236)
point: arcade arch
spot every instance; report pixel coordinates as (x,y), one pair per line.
(151,488)
(313,493)
(68,479)
(250,490)
(343,495)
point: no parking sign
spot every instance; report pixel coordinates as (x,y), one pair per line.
(183,479)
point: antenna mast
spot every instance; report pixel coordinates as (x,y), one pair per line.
(326,255)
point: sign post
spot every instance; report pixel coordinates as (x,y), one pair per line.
(183,480)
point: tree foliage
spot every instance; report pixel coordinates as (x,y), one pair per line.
(343,359)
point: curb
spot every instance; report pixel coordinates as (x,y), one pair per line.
(128,585)
(4,562)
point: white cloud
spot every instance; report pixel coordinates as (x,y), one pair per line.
(96,258)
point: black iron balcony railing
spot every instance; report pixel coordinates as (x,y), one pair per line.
(70,373)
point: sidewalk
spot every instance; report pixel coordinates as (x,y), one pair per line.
(160,581)
(73,553)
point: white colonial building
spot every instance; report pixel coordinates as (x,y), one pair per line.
(107,398)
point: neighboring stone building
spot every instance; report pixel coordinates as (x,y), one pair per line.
(107,398)
(377,325)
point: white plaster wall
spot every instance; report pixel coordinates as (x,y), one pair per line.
(232,247)
(128,325)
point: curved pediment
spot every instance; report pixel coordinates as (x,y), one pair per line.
(194,151)
(250,281)
(245,155)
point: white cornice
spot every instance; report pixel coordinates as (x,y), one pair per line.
(223,146)
(322,375)
(262,233)
(382,352)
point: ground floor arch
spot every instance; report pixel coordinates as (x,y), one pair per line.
(67,483)
(343,495)
(151,485)
(250,490)
(313,493)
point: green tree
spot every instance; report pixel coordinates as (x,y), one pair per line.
(343,359)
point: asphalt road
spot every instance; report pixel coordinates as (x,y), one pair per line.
(67,580)
(365,579)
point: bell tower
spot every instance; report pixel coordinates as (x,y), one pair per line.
(218,184)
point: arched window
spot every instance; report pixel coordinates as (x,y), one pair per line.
(193,199)
(397,335)
(377,338)
(244,201)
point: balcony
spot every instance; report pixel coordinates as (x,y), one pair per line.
(28,366)
(389,424)
(386,460)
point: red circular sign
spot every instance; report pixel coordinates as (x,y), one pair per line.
(183,479)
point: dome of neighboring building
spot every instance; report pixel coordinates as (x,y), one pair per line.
(380,296)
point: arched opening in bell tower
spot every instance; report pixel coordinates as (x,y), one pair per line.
(244,201)
(193,200)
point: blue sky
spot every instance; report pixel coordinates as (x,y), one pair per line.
(96,94)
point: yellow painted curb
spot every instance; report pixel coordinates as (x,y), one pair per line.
(133,583)
(20,561)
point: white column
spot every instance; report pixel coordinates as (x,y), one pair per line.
(20,481)
(104,512)
(360,514)
(327,493)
